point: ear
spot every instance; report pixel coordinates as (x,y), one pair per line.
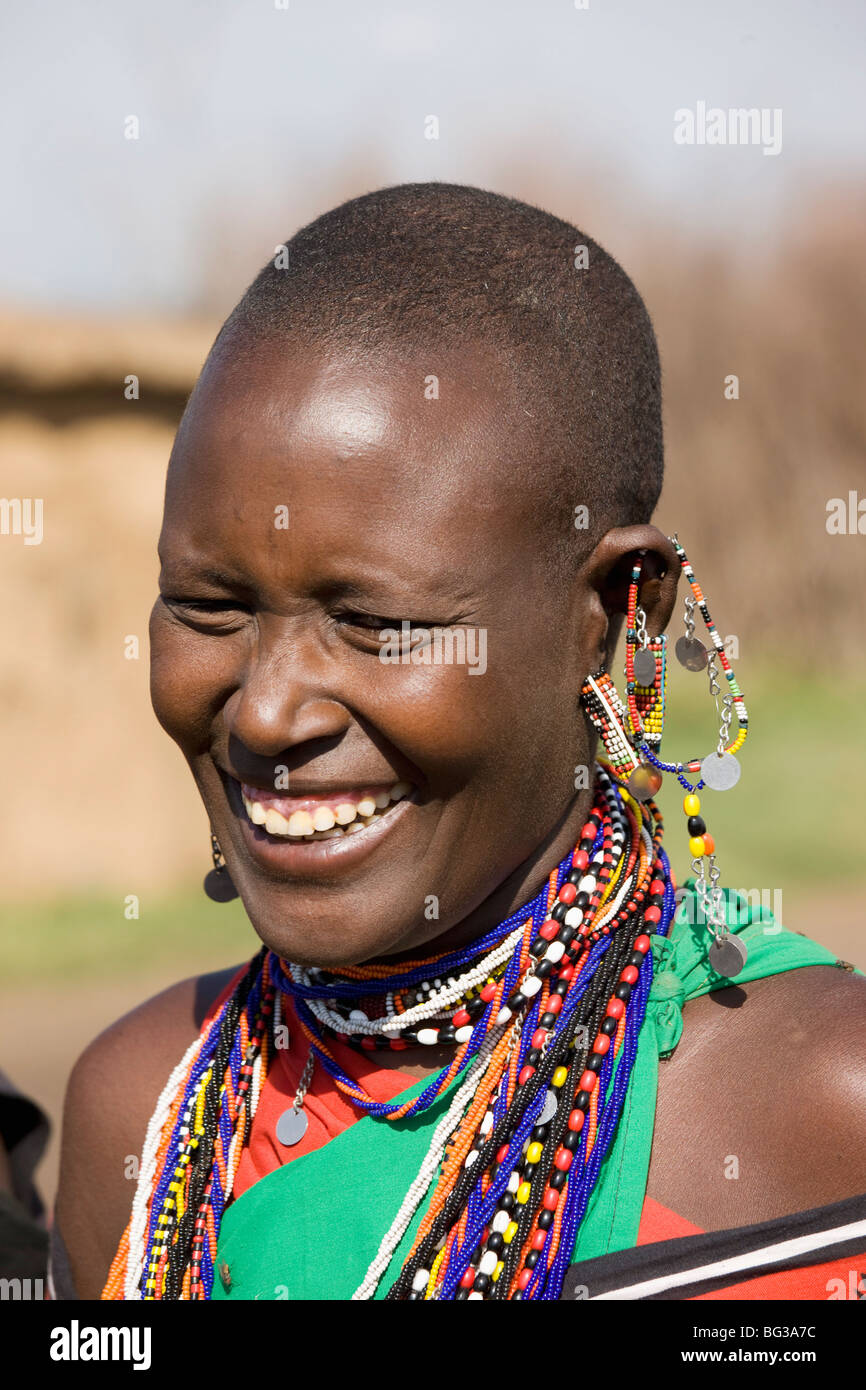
(607,573)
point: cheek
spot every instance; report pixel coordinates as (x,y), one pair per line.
(486,729)
(190,679)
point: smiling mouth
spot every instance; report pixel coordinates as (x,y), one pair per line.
(334,816)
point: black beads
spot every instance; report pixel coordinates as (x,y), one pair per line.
(697,825)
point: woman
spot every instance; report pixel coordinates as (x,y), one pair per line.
(436,415)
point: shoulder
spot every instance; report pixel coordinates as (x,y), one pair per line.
(762,1108)
(110,1097)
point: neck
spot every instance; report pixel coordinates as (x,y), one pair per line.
(521,886)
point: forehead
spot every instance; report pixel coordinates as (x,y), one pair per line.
(411,456)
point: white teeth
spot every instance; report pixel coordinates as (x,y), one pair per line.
(300,823)
(326,822)
(275,823)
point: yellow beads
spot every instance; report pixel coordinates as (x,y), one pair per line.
(560,1076)
(523,1193)
(533,1153)
(498,1270)
(697,848)
(692,805)
(510,1232)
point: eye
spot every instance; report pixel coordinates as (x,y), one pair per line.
(214,614)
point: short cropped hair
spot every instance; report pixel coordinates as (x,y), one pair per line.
(432,265)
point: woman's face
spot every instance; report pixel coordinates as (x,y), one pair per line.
(313,501)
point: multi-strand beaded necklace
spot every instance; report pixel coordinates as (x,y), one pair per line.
(543,1014)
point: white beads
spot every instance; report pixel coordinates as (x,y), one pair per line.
(587,884)
(514,1182)
(358,1016)
(421,1280)
(488,1262)
(464,1034)
(555,951)
(470,1158)
(574,917)
(487,1123)
(428,1036)
(476,1296)
(500,1221)
(530,987)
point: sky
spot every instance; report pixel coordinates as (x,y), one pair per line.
(252,112)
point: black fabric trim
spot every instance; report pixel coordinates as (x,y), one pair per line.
(607,1273)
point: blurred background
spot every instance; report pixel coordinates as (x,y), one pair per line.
(154,157)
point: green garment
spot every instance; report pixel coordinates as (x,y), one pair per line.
(310,1230)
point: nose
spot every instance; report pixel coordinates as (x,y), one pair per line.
(285,699)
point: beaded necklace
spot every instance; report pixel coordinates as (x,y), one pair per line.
(544,1014)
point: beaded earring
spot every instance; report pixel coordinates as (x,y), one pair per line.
(218,881)
(631,734)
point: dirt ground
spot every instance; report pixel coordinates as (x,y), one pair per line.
(43,1030)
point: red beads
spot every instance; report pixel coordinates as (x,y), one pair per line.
(468,1278)
(576,1121)
(539,1037)
(629,975)
(554,1003)
(602,1045)
(539,1240)
(488,991)
(548,929)
(615,1009)
(642,944)
(588,1081)
(657,887)
(461,1018)
(525,1074)
(567,893)
(563,1160)
(581,859)
(523,1278)
(653,914)
(550,1200)
(502,1154)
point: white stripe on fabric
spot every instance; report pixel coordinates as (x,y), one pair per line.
(769,1254)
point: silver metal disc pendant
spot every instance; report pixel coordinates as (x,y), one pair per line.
(691,653)
(644,666)
(291,1127)
(728,956)
(720,773)
(548,1110)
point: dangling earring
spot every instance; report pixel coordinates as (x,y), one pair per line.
(218,881)
(631,737)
